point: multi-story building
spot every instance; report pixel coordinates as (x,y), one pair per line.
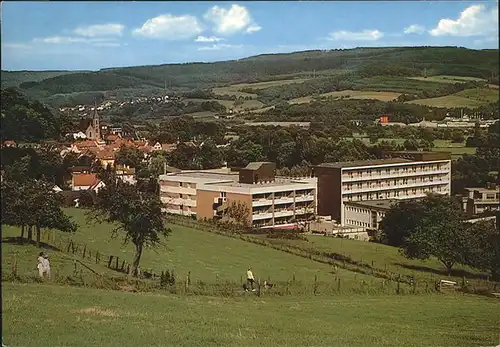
(403,175)
(270,201)
(480,200)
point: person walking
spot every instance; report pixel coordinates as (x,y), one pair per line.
(46,266)
(250,279)
(43,265)
(40,264)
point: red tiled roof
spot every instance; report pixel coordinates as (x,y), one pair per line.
(112,137)
(86,144)
(169,147)
(106,154)
(84,179)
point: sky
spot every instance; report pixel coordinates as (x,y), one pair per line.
(66,35)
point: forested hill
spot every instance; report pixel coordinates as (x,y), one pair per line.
(402,61)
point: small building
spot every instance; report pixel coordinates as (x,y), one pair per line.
(481,200)
(125,174)
(366,214)
(83,181)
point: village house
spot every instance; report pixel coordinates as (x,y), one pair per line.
(86,181)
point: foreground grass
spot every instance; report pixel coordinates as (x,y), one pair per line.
(209,257)
(45,315)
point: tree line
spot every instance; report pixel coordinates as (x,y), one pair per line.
(435,227)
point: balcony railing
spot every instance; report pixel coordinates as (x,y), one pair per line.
(355,190)
(381,176)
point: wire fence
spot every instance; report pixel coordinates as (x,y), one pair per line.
(378,282)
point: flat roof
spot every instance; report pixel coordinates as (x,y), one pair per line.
(373,162)
(384,204)
(276,183)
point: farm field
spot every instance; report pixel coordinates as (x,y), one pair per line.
(230,104)
(447,79)
(456,149)
(349,94)
(234,89)
(81,317)
(206,255)
(472,98)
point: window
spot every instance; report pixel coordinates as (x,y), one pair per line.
(180,184)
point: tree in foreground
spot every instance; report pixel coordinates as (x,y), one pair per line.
(435,228)
(484,252)
(32,204)
(136,214)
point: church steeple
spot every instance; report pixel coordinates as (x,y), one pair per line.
(96,124)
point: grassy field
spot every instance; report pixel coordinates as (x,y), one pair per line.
(206,255)
(379,256)
(230,104)
(349,94)
(46,315)
(447,79)
(234,89)
(472,98)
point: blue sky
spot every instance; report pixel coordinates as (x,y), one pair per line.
(94,35)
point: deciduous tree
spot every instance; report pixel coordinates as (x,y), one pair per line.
(136,214)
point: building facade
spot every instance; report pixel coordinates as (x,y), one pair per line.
(481,200)
(269,201)
(402,175)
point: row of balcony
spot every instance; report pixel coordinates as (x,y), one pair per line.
(376,176)
(266,202)
(402,186)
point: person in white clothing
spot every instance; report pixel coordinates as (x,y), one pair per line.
(250,278)
(43,266)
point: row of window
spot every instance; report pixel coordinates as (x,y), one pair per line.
(393,182)
(357,223)
(395,193)
(396,170)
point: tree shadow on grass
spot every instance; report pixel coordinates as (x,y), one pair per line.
(443,272)
(16,240)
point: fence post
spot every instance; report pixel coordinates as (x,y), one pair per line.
(189,278)
(293,278)
(14,265)
(315,284)
(109,261)
(116,263)
(123,265)
(84,251)
(97,257)
(258,289)
(397,290)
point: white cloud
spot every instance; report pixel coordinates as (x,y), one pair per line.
(14,45)
(475,20)
(218,46)
(61,39)
(107,44)
(68,40)
(170,27)
(414,29)
(208,39)
(364,35)
(253,28)
(232,20)
(100,30)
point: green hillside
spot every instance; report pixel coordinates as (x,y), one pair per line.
(15,78)
(365,62)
